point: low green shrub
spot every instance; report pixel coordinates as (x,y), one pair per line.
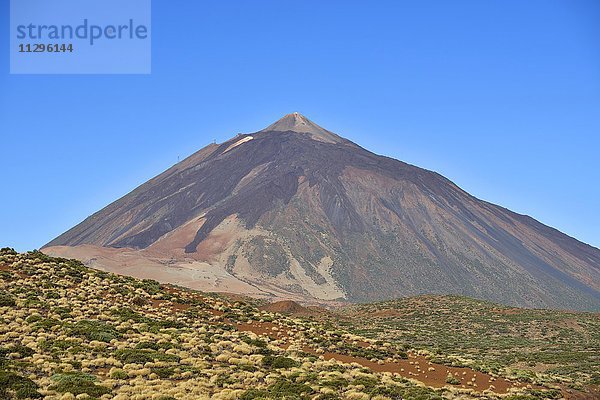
(148,285)
(32,319)
(279,362)
(7,276)
(336,383)
(57,346)
(154,345)
(154,325)
(78,383)
(23,351)
(7,299)
(255,342)
(118,374)
(23,387)
(5,251)
(142,356)
(95,330)
(164,372)
(420,393)
(45,324)
(253,394)
(366,381)
(282,389)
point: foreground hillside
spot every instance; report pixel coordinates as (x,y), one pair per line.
(536,345)
(67,331)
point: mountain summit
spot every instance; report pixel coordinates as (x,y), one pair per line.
(298,123)
(295,211)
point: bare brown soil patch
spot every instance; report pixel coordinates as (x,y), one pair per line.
(216,313)
(269,329)
(571,324)
(287,307)
(591,392)
(431,374)
(174,306)
(415,367)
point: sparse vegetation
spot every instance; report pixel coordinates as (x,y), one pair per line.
(67,331)
(538,346)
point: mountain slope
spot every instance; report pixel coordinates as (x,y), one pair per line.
(297,210)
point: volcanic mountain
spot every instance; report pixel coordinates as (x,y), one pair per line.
(295,211)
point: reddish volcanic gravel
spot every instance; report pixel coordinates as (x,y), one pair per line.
(415,367)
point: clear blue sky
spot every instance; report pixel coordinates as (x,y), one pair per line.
(502,97)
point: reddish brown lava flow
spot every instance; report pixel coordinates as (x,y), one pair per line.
(416,367)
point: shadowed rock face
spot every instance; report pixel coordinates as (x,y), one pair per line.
(319,216)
